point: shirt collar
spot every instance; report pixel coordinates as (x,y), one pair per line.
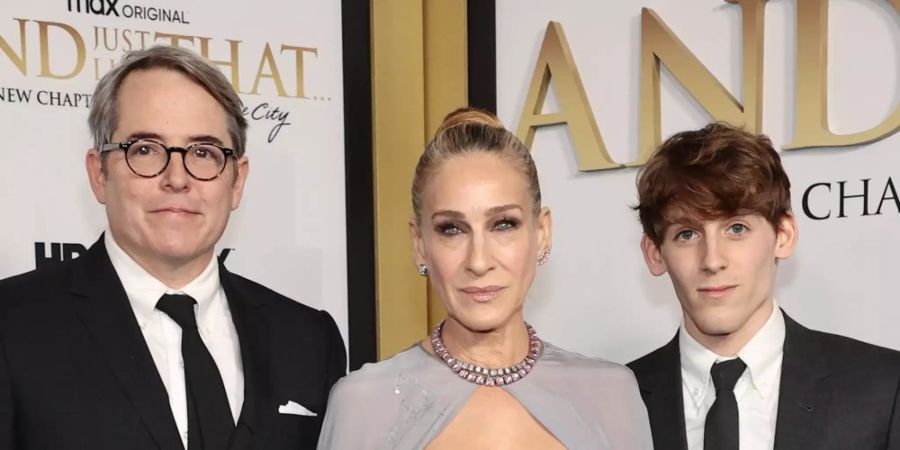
(144,290)
(696,361)
(762,354)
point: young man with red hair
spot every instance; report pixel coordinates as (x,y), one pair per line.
(739,373)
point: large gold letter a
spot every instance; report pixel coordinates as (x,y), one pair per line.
(555,63)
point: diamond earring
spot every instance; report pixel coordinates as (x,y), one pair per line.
(544,257)
(423,270)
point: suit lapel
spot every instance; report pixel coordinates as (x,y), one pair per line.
(801,406)
(109,319)
(661,389)
(245,315)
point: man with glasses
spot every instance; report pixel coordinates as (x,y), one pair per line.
(147,341)
(149,158)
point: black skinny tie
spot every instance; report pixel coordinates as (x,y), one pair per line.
(210,422)
(721,429)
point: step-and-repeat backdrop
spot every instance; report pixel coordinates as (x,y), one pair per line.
(821,78)
(284,57)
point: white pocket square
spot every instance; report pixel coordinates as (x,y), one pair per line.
(296,409)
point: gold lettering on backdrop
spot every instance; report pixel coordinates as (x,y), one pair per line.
(98,72)
(274,74)
(20,60)
(298,54)
(660,45)
(126,40)
(109,43)
(555,63)
(106,32)
(233,64)
(174,39)
(143,35)
(80,56)
(811,119)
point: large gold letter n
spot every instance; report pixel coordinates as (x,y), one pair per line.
(660,45)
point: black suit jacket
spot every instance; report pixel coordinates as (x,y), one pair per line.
(76,373)
(836,393)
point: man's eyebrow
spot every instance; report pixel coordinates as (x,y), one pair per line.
(683,221)
(206,138)
(137,135)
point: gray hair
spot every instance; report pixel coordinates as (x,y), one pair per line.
(104,117)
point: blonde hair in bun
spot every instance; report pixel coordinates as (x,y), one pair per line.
(468,130)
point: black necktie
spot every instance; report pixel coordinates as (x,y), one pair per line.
(210,422)
(721,429)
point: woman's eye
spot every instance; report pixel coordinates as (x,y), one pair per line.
(506,224)
(448,229)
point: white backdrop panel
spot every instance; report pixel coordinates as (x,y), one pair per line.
(289,233)
(596,295)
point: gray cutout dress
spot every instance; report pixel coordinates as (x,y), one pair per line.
(405,401)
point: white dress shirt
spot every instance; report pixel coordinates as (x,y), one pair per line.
(163,335)
(756,390)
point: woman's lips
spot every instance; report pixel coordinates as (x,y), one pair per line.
(482,294)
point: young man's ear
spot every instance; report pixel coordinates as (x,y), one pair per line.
(786,236)
(652,256)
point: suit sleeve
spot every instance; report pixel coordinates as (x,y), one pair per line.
(894,431)
(7,422)
(336,365)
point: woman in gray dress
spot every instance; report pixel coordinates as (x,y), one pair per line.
(483,380)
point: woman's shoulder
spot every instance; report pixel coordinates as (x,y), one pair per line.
(597,387)
(576,363)
(371,376)
(605,395)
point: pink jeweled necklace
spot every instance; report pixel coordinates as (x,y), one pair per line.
(483,375)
